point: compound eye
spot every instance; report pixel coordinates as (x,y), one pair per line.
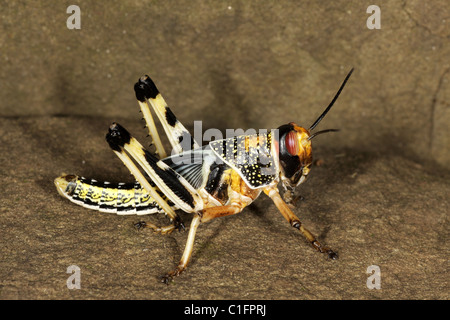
(291,142)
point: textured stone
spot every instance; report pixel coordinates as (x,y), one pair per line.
(379,196)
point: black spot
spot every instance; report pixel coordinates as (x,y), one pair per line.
(185,146)
(145,88)
(117,136)
(170,117)
(139,90)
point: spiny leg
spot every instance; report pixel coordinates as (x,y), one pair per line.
(179,137)
(296,223)
(142,180)
(203,216)
(169,182)
(141,91)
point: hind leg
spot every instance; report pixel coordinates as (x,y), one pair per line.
(179,137)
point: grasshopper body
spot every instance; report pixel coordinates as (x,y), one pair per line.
(215,180)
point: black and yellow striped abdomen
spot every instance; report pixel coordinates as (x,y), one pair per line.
(120,198)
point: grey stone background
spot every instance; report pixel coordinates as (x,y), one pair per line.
(380,196)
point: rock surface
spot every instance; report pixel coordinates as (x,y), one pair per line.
(378,194)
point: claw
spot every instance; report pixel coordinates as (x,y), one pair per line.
(323,249)
(179,225)
(332,255)
(139,225)
(166,279)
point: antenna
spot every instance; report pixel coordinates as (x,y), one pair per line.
(331,103)
(320,132)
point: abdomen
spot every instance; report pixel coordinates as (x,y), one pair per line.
(120,198)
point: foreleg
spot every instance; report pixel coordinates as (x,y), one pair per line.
(296,223)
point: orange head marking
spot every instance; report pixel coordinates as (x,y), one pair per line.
(295,153)
(298,143)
